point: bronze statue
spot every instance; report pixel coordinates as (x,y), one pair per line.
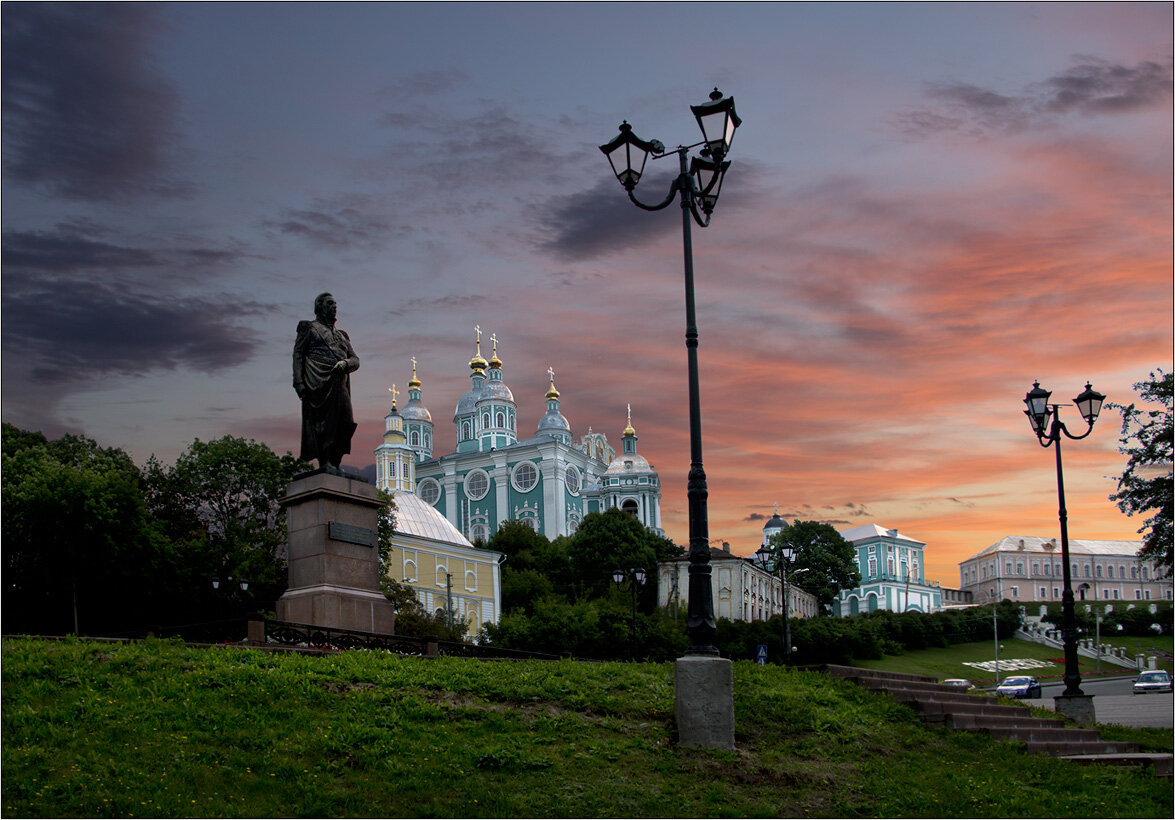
(323,362)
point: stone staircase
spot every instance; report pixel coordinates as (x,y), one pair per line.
(940,705)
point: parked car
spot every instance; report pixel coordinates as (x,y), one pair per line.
(1158,680)
(1020,686)
(962,683)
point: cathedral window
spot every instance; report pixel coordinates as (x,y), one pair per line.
(485,421)
(429,490)
(572,480)
(466,433)
(415,438)
(479,532)
(477,485)
(501,420)
(525,477)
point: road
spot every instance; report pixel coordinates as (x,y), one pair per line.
(1113,702)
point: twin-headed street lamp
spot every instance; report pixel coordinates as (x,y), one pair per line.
(1046,423)
(636,579)
(697,184)
(783,560)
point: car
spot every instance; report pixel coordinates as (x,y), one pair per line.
(1019,686)
(961,683)
(1157,680)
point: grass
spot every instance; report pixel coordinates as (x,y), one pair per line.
(950,662)
(160,729)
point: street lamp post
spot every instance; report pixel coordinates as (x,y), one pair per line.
(1048,427)
(698,184)
(636,580)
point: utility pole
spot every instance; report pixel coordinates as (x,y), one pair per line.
(995,629)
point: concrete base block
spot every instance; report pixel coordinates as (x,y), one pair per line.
(704,700)
(331,521)
(1078,708)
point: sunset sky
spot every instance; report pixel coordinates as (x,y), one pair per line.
(929,207)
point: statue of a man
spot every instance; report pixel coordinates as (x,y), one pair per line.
(323,362)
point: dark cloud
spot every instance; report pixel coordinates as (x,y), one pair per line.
(600,221)
(755,517)
(76,249)
(427,306)
(1091,87)
(425,84)
(344,222)
(74,330)
(86,113)
(1097,87)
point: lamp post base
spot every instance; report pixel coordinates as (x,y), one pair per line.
(1078,708)
(704,702)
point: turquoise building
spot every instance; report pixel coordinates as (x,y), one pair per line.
(547,480)
(893,574)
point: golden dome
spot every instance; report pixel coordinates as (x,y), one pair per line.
(628,431)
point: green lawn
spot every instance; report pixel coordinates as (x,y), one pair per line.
(160,729)
(952,661)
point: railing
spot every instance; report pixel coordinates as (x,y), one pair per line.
(307,636)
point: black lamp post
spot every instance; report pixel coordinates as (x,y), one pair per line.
(1047,425)
(783,561)
(636,580)
(698,183)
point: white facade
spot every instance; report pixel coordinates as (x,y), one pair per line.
(1028,568)
(742,590)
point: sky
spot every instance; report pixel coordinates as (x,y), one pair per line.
(929,207)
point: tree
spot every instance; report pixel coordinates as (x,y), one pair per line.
(80,553)
(219,503)
(829,560)
(614,539)
(1146,483)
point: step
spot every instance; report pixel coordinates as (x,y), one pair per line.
(851,671)
(1045,733)
(953,708)
(914,686)
(1163,762)
(1080,747)
(974,723)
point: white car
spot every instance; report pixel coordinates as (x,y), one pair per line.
(1158,680)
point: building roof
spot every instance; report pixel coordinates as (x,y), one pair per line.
(415,517)
(868,531)
(1031,543)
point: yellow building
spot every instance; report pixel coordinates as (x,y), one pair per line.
(429,554)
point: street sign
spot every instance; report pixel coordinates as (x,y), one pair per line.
(762,654)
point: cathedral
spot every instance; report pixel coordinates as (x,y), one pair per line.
(546,480)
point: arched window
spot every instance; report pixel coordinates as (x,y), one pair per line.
(485,421)
(501,419)
(415,438)
(466,433)
(630,507)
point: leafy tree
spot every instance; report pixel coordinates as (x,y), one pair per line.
(612,540)
(1146,483)
(220,504)
(80,553)
(829,561)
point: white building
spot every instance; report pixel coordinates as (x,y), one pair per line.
(1028,568)
(742,590)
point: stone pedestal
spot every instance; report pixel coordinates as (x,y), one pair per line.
(333,557)
(1078,708)
(704,702)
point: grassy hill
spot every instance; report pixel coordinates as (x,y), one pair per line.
(951,662)
(160,729)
